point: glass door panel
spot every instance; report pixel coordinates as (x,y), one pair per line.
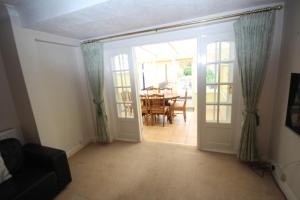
(122,85)
(219,79)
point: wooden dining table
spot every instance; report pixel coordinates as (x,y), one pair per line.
(167,96)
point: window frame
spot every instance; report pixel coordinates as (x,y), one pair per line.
(218,62)
(123,87)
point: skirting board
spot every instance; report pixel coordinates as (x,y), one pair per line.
(127,137)
(218,151)
(289,194)
(126,140)
(77,148)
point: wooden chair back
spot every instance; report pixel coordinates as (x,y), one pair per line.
(163,90)
(173,102)
(185,98)
(145,104)
(182,107)
(157,103)
(152,90)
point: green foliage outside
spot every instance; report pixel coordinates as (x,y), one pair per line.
(187,71)
(210,76)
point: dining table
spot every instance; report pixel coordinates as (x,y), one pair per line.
(168,96)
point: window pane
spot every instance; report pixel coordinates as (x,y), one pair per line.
(212,73)
(129,110)
(126,78)
(117,76)
(116,63)
(226,73)
(120,62)
(121,110)
(212,94)
(212,52)
(121,82)
(226,51)
(225,93)
(126,95)
(211,113)
(124,61)
(119,94)
(225,114)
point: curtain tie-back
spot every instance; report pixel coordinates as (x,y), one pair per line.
(99,107)
(253,39)
(253,112)
(98,102)
(250,111)
(94,64)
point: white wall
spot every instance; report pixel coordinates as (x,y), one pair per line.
(9,122)
(16,82)
(285,146)
(55,79)
(8,114)
(268,94)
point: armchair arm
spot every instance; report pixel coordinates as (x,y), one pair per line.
(54,159)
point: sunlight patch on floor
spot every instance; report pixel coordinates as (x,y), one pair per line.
(179,132)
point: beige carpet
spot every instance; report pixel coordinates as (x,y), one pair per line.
(158,171)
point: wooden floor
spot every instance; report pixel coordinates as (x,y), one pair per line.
(179,132)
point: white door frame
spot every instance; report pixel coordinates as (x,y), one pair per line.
(196,32)
(204,128)
(126,129)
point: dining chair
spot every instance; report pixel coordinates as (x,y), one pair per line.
(171,109)
(152,90)
(181,106)
(145,107)
(157,106)
(165,90)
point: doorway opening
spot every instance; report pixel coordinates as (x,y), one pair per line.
(199,62)
(167,82)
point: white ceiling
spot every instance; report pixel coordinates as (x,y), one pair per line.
(85,19)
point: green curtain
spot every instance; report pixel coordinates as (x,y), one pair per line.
(93,60)
(253,37)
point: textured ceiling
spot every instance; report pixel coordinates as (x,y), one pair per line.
(84,19)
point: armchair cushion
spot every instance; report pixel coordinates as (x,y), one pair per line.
(50,158)
(38,172)
(4,173)
(30,183)
(12,154)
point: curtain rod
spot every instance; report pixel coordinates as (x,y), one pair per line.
(185,24)
(57,43)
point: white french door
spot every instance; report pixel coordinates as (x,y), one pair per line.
(122,91)
(217,92)
(217,99)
